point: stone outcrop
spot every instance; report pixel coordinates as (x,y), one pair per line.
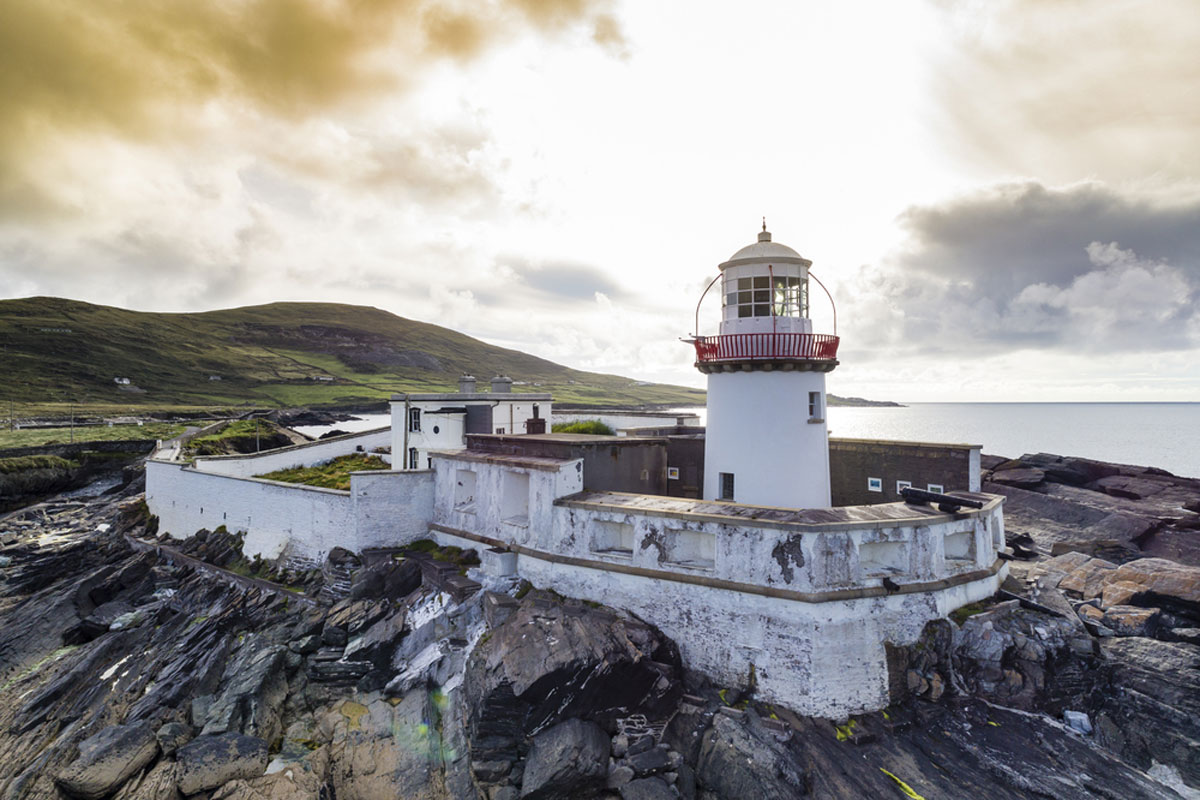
(240,691)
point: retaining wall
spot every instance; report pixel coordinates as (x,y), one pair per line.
(306,521)
(300,455)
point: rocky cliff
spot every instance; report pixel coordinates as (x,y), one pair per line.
(131,668)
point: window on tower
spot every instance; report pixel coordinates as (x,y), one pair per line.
(726,486)
(766,295)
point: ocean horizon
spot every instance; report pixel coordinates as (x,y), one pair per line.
(1163,435)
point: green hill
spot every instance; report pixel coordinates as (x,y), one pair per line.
(55,351)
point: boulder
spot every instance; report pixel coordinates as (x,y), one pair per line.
(648,789)
(1131,620)
(108,759)
(207,762)
(388,580)
(1087,580)
(172,736)
(1129,487)
(741,759)
(1164,583)
(1023,477)
(565,761)
(549,662)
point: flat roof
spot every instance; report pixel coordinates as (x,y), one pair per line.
(529,462)
(472,396)
(955,445)
(570,438)
(773,516)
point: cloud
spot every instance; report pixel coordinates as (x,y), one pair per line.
(164,73)
(564,282)
(1084,268)
(1071,88)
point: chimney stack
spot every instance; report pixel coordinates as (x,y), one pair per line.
(466,384)
(501,384)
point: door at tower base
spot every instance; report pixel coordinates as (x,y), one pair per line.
(763,439)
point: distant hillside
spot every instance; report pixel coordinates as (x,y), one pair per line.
(54,351)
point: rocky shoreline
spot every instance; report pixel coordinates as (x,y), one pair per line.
(134,667)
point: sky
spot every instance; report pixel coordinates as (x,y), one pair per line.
(1002,197)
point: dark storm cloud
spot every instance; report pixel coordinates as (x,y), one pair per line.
(1083,268)
(147,71)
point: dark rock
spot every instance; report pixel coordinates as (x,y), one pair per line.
(649,762)
(253,689)
(172,736)
(108,759)
(207,762)
(390,580)
(1131,620)
(306,644)
(1023,477)
(544,665)
(355,616)
(565,760)
(647,789)
(379,641)
(1129,487)
(1069,470)
(334,636)
(618,776)
(640,744)
(737,760)
(1153,711)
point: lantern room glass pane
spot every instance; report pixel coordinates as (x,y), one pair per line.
(762,282)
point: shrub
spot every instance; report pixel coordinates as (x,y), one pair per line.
(592,426)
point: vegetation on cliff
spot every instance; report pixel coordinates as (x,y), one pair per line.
(279,355)
(333,474)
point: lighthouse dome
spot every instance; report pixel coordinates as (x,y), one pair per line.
(766,250)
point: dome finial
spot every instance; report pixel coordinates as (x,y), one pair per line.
(764,224)
(764,236)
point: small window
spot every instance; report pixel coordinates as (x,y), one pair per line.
(499,431)
(902,485)
(816,408)
(436,429)
(414,419)
(672,473)
(726,486)
(535,411)
(937,487)
(412,458)
(874,484)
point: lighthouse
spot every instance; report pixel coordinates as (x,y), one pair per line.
(767,440)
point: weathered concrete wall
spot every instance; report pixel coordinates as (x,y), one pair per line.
(825,660)
(273,515)
(852,462)
(392,508)
(804,603)
(382,509)
(483,493)
(610,463)
(300,455)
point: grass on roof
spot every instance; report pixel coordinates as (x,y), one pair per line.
(333,474)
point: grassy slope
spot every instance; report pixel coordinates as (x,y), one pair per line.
(266,356)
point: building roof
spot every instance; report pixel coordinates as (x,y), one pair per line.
(474,397)
(766,250)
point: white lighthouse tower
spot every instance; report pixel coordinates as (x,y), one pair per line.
(766,441)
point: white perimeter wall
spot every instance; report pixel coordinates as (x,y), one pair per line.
(301,455)
(758,428)
(384,508)
(618,421)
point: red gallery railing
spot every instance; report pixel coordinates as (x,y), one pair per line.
(766,346)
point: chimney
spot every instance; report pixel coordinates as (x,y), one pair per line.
(466,384)
(501,384)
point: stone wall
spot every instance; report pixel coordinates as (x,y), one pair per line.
(853,462)
(381,509)
(300,455)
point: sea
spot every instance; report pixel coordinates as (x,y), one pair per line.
(1164,435)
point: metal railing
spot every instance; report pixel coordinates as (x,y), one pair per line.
(766,346)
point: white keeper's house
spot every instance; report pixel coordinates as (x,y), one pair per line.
(760,544)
